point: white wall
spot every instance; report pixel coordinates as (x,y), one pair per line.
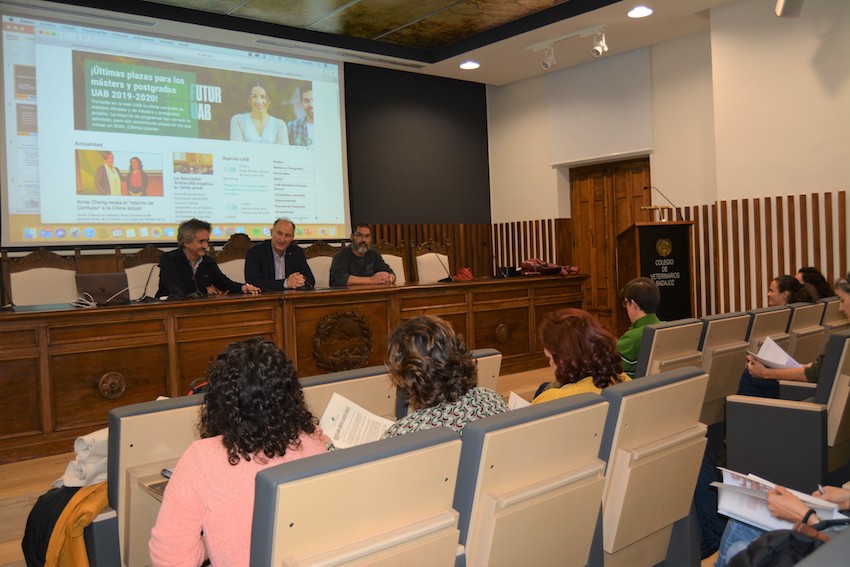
(522,185)
(782,98)
(758,106)
(682,164)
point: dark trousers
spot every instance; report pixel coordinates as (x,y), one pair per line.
(749,386)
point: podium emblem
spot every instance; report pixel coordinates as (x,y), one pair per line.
(663,246)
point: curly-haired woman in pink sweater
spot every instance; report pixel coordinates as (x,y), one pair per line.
(253,417)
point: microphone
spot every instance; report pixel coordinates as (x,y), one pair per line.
(147,281)
(675,208)
(448,274)
(500,273)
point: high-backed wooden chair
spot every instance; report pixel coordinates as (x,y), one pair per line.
(396,258)
(768,322)
(665,346)
(805,331)
(724,356)
(384,503)
(144,438)
(432,262)
(654,445)
(142,269)
(319,256)
(231,258)
(41,277)
(368,387)
(530,484)
(796,443)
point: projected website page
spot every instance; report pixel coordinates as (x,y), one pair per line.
(115,137)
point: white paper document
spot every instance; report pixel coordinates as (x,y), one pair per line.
(744,498)
(515,401)
(348,424)
(773,356)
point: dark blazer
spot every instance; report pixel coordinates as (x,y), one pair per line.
(176,278)
(259,266)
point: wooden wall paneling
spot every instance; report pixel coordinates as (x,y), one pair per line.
(779,237)
(736,245)
(769,231)
(842,234)
(747,253)
(816,232)
(831,237)
(724,259)
(803,256)
(757,243)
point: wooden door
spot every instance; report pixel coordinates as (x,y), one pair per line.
(606,199)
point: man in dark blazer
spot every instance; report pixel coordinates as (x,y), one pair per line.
(278,263)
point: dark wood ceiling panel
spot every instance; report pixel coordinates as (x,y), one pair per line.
(465,19)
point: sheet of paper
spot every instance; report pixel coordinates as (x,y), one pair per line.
(516,401)
(744,497)
(348,424)
(773,356)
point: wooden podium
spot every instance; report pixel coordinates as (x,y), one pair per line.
(663,252)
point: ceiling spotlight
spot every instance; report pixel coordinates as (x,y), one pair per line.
(640,12)
(469,65)
(599,45)
(548,58)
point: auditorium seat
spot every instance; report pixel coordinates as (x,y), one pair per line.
(383,503)
(653,444)
(396,258)
(144,438)
(319,257)
(369,388)
(231,258)
(768,322)
(724,357)
(530,484)
(142,269)
(805,331)
(665,346)
(833,319)
(41,277)
(432,262)
(796,443)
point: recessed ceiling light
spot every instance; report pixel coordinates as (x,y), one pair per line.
(469,65)
(639,12)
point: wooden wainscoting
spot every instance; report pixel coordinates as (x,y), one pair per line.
(742,244)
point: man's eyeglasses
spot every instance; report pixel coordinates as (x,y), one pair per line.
(362,236)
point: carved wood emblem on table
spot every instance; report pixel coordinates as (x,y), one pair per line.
(343,341)
(112,385)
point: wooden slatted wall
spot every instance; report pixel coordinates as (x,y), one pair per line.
(743,244)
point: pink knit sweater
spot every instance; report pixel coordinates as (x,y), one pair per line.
(206,493)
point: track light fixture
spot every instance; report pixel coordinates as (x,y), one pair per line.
(548,58)
(599,45)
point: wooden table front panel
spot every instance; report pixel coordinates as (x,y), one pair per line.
(56,365)
(86,385)
(332,332)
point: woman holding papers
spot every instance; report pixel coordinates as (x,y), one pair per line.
(760,381)
(430,365)
(786,506)
(253,417)
(582,354)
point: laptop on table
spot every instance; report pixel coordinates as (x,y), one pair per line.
(105,289)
